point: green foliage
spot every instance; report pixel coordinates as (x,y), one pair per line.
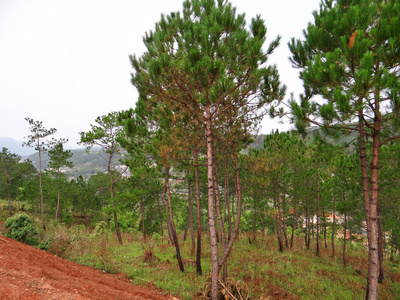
(156,237)
(21,227)
(68,220)
(101,228)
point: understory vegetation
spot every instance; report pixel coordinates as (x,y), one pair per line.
(255,264)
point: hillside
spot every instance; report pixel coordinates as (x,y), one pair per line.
(89,163)
(15,146)
(29,273)
(85,163)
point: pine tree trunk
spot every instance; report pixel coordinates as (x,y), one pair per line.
(227,198)
(293,227)
(142,210)
(307,237)
(112,203)
(317,213)
(323,213)
(41,187)
(161,218)
(262,224)
(211,216)
(380,242)
(284,220)
(278,219)
(392,245)
(333,226)
(344,240)
(58,204)
(191,217)
(186,229)
(165,204)
(239,211)
(171,220)
(221,224)
(371,202)
(196,174)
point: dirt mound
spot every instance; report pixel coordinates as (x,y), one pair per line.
(30,273)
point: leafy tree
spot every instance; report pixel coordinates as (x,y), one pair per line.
(206,66)
(35,140)
(8,168)
(59,160)
(105,134)
(350,56)
(21,227)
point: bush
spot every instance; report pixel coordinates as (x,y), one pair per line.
(21,227)
(68,220)
(101,227)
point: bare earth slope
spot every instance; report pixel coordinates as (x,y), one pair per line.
(30,273)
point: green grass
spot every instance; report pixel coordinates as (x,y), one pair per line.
(293,274)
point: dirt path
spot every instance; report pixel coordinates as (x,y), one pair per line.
(30,273)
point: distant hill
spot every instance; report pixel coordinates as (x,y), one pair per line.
(85,163)
(15,146)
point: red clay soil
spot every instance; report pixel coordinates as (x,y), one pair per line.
(30,273)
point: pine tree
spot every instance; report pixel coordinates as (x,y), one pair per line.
(204,64)
(350,57)
(35,140)
(105,135)
(59,160)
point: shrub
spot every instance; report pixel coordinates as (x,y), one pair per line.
(101,228)
(157,237)
(68,220)
(21,227)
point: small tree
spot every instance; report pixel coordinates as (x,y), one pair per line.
(8,168)
(21,227)
(58,161)
(105,135)
(35,140)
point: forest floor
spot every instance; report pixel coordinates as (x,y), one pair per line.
(29,273)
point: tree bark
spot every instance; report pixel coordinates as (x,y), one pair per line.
(323,213)
(58,204)
(112,200)
(284,220)
(221,224)
(344,240)
(227,198)
(198,250)
(380,243)
(371,201)
(191,217)
(317,213)
(278,218)
(333,225)
(238,213)
(293,227)
(142,210)
(161,218)
(262,224)
(40,184)
(211,216)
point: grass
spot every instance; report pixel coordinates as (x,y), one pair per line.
(294,274)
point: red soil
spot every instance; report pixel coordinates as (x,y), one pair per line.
(30,273)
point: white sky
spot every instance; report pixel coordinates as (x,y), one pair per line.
(65,62)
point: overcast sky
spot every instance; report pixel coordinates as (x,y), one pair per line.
(65,62)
